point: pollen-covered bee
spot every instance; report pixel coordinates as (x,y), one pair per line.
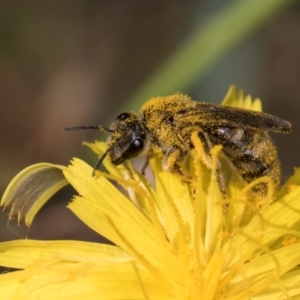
(177,124)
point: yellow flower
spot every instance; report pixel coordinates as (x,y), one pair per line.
(172,241)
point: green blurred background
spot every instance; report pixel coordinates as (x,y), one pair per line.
(65,63)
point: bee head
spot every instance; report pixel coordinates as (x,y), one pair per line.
(127,139)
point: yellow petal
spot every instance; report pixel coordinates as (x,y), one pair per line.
(236,98)
(109,212)
(8,285)
(172,195)
(284,214)
(122,280)
(279,219)
(278,261)
(73,270)
(22,254)
(212,275)
(288,287)
(31,189)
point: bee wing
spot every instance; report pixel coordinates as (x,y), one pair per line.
(213,115)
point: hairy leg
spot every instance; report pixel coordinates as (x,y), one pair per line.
(173,156)
(203,147)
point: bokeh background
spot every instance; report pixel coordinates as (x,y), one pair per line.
(80,62)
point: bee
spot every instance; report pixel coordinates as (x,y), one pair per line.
(176,124)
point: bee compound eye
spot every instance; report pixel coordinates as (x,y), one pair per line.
(135,148)
(123,116)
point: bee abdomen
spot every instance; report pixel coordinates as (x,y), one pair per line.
(251,152)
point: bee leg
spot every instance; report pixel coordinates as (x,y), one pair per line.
(203,146)
(221,182)
(150,153)
(145,165)
(172,156)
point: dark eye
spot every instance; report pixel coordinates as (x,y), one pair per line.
(135,147)
(123,116)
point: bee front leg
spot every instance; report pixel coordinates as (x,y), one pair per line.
(170,163)
(146,163)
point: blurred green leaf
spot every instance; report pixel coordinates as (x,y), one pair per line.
(205,47)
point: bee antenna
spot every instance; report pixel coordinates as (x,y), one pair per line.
(99,162)
(79,128)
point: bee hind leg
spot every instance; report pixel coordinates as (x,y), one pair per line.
(203,148)
(221,182)
(170,163)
